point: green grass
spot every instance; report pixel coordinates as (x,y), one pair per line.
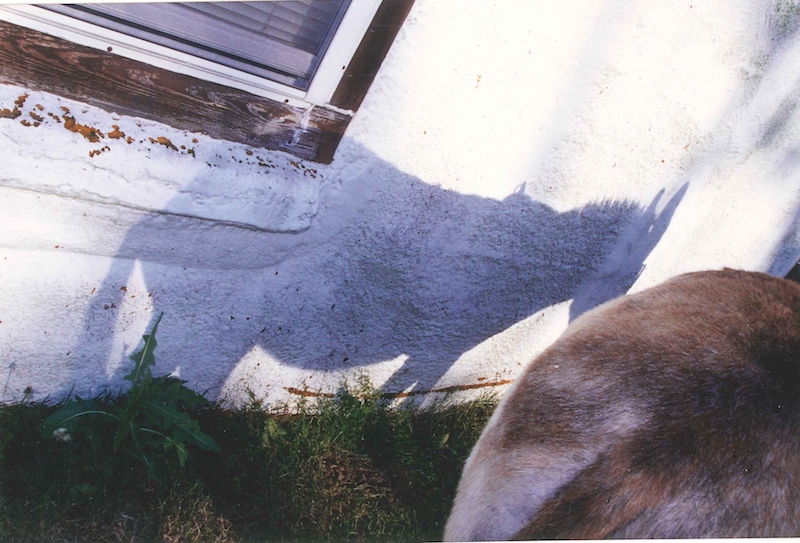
(347,469)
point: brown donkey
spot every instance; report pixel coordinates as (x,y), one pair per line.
(670,413)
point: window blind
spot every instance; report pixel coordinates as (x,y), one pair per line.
(283,41)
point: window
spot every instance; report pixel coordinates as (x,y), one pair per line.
(302,66)
(272,48)
(280,41)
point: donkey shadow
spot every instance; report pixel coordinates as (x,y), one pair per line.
(391,266)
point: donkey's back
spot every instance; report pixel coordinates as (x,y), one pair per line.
(674,412)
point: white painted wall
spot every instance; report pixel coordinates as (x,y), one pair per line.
(514,164)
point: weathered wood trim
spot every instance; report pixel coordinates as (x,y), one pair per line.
(369,56)
(42,62)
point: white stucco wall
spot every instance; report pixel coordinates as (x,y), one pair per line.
(514,164)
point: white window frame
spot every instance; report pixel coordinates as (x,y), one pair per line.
(340,52)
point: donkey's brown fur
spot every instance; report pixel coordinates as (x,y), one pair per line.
(674,412)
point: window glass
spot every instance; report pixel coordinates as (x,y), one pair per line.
(283,41)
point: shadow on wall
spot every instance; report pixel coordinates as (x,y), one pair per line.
(391,266)
(787,254)
(782,30)
(394,267)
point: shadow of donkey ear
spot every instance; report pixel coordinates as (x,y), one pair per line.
(625,262)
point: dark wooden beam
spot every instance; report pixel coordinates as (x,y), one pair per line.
(361,71)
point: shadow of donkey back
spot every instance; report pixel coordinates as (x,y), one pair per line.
(670,413)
